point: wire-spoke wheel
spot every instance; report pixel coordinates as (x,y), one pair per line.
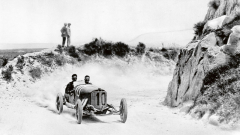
(79,111)
(59,103)
(123,110)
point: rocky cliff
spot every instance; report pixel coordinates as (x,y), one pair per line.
(194,62)
(219,8)
(201,56)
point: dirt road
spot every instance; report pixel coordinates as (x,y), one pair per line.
(32,111)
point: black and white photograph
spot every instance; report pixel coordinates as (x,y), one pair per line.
(119,67)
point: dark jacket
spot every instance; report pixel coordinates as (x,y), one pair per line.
(69,88)
(64,32)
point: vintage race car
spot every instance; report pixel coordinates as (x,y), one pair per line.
(89,99)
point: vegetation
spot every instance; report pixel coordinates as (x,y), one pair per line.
(3,61)
(7,73)
(71,50)
(35,72)
(214,4)
(198,28)
(20,62)
(168,53)
(120,49)
(59,49)
(140,48)
(10,54)
(60,60)
(106,49)
(221,91)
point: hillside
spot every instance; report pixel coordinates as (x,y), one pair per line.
(28,98)
(206,74)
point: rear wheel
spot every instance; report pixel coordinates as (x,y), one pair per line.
(79,111)
(59,103)
(123,110)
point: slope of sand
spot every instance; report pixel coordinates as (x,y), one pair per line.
(30,109)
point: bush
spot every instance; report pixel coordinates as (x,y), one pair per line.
(20,62)
(59,49)
(106,49)
(214,4)
(45,61)
(140,48)
(120,49)
(3,61)
(198,28)
(92,47)
(7,74)
(71,50)
(49,55)
(60,60)
(101,47)
(35,73)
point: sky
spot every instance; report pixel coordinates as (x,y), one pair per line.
(40,21)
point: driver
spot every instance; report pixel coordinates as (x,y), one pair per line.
(87,79)
(69,92)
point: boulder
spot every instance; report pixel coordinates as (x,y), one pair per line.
(233,45)
(215,23)
(193,63)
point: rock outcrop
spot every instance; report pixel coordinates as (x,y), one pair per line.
(233,45)
(225,7)
(194,62)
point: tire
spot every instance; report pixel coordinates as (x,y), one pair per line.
(59,103)
(123,110)
(79,111)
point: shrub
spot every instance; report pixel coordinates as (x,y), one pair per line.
(120,49)
(7,74)
(3,61)
(60,60)
(45,61)
(72,52)
(106,49)
(92,47)
(35,73)
(20,62)
(59,49)
(140,48)
(214,4)
(101,47)
(198,28)
(49,54)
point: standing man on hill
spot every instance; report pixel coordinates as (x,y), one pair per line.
(68,34)
(64,34)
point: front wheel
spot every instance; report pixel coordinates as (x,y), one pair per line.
(123,110)
(79,111)
(59,103)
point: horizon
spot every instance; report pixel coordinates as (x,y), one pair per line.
(39,22)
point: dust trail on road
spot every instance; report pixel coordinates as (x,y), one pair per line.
(114,75)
